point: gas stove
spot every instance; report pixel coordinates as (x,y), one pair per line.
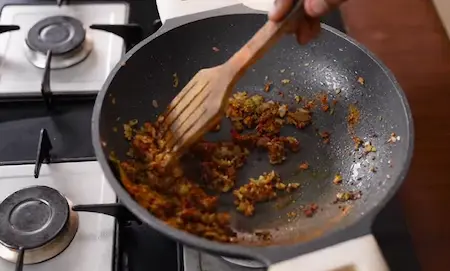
(57,211)
(54,58)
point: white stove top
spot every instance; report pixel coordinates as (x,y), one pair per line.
(19,77)
(82,183)
(174,8)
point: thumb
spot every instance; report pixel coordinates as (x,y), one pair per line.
(280,9)
(316,8)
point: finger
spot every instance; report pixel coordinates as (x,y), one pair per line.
(304,31)
(308,30)
(315,28)
(316,8)
(280,9)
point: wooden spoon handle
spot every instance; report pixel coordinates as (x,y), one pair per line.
(263,40)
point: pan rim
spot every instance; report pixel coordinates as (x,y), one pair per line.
(269,254)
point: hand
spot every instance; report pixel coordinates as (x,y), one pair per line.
(310,27)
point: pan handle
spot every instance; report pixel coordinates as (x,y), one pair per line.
(359,254)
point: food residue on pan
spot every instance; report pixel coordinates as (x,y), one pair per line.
(344,208)
(128,128)
(259,190)
(393,138)
(337,179)
(324,101)
(325,136)
(254,112)
(291,214)
(310,210)
(219,163)
(176,80)
(276,147)
(155,103)
(264,235)
(358,142)
(353,116)
(285,81)
(368,147)
(282,110)
(309,105)
(267,86)
(334,103)
(361,80)
(215,49)
(348,196)
(303,166)
(298,99)
(300,118)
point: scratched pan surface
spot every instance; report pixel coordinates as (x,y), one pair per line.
(331,65)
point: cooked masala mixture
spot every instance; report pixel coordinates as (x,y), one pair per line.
(186,204)
(189,204)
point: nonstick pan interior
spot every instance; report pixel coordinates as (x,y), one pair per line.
(331,65)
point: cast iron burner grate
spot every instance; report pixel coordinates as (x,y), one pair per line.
(38,224)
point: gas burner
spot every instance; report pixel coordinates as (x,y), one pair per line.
(64,36)
(59,34)
(39,222)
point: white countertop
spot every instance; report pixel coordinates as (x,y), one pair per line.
(175,8)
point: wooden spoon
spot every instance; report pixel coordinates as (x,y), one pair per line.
(201,104)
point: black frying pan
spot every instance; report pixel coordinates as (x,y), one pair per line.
(330,64)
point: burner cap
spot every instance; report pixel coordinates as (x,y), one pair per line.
(32,217)
(60,34)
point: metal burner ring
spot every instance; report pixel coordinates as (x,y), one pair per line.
(62,61)
(49,250)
